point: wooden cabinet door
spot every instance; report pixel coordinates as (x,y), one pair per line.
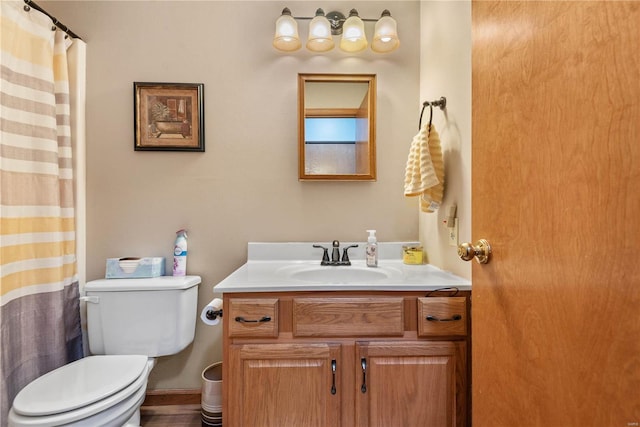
(410,384)
(282,385)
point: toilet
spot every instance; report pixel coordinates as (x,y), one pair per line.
(130,322)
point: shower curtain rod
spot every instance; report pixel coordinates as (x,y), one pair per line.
(30,4)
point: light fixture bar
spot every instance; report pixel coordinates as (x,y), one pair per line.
(385,37)
(336,19)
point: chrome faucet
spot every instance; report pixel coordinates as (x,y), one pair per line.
(335,254)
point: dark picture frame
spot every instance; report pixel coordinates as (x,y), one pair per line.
(168,116)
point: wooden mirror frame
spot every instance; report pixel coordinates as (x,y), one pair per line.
(365,162)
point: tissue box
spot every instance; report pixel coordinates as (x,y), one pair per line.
(122,268)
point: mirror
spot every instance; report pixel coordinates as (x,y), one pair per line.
(336,127)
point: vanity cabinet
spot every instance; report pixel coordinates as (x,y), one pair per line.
(346,359)
(410,383)
(283,385)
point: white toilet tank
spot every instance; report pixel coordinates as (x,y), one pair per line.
(151,317)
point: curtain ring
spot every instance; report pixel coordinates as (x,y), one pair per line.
(26,8)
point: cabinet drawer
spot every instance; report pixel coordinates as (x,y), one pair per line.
(442,316)
(340,317)
(253,317)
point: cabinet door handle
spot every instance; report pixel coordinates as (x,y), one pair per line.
(436,319)
(333,372)
(363,363)
(243,320)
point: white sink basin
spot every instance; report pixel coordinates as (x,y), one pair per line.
(336,274)
(295,266)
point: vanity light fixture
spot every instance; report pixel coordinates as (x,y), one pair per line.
(286,37)
(353,37)
(323,27)
(320,39)
(385,36)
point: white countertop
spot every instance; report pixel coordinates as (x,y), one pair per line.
(274,267)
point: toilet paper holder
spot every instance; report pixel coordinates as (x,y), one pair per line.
(213,314)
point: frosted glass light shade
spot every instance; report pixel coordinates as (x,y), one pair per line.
(320,39)
(286,37)
(385,36)
(353,37)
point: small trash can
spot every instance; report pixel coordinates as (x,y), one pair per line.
(211,401)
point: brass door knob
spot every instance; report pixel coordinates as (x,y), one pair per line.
(481,251)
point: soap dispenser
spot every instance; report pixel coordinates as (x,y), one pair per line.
(372,249)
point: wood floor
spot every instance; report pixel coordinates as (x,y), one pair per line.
(171,416)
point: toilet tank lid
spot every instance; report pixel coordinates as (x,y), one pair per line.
(153,283)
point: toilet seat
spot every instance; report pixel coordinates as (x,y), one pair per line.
(106,385)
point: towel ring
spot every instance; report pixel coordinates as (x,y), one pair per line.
(430,116)
(421,113)
(442,103)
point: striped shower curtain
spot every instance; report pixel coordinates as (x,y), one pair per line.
(39,290)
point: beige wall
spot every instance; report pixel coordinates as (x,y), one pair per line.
(445,70)
(244,187)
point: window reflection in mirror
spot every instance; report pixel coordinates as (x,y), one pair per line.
(336,127)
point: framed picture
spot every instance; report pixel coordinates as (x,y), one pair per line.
(169,116)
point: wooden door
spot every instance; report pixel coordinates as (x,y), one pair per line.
(410,384)
(556,191)
(284,385)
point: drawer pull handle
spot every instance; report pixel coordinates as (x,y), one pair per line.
(333,382)
(363,363)
(435,319)
(243,320)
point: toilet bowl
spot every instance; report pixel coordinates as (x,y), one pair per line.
(94,391)
(108,387)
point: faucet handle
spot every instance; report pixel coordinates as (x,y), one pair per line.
(325,255)
(345,255)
